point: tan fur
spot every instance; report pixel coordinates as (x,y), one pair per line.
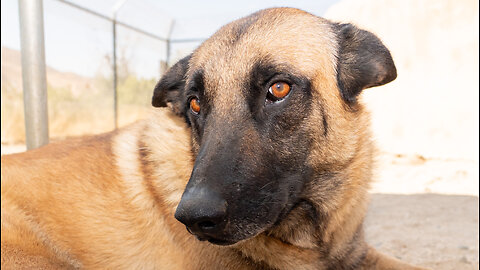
(85,203)
(108,201)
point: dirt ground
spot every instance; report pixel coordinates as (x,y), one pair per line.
(425,210)
(431,230)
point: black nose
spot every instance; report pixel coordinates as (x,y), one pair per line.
(203,212)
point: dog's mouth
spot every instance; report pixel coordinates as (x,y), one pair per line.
(226,240)
(243,231)
(221,242)
(215,241)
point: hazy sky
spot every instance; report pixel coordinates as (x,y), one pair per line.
(78,42)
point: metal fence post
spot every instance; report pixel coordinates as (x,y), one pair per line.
(33,72)
(115,78)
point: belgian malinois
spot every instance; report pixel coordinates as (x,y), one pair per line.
(265,156)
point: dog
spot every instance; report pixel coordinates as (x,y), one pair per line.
(261,159)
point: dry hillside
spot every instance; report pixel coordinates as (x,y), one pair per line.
(77,105)
(12,75)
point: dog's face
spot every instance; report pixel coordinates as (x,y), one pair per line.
(271,100)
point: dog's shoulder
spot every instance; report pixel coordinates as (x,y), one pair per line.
(47,192)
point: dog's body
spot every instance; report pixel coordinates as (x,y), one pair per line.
(281,179)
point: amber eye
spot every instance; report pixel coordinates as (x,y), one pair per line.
(195,105)
(279,90)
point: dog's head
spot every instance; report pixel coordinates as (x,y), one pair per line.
(271,101)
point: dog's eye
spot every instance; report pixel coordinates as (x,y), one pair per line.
(278,90)
(195,105)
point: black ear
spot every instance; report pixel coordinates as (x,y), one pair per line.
(171,86)
(363,62)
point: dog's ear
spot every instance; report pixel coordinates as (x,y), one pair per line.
(363,62)
(171,86)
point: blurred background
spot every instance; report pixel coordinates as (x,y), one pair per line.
(425,122)
(79,56)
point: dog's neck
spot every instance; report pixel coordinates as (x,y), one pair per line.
(314,242)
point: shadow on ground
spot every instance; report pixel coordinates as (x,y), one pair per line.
(437,231)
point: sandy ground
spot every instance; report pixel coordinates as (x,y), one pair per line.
(425,210)
(414,173)
(431,230)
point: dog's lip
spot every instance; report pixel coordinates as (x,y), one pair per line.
(216,241)
(221,242)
